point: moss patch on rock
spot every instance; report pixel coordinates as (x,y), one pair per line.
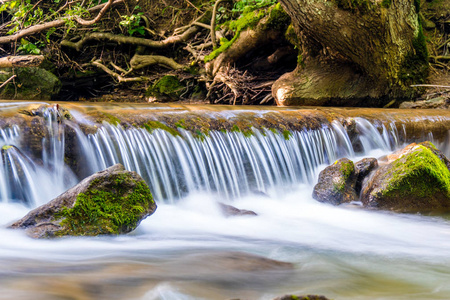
(168,88)
(418,181)
(111,211)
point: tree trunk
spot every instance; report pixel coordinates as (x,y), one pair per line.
(355,52)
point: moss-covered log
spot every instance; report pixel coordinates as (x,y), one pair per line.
(363,52)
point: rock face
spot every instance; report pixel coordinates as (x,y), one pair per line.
(112,201)
(362,169)
(336,183)
(416,179)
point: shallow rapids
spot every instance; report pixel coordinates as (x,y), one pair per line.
(188,249)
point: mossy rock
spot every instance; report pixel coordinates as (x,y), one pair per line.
(336,184)
(29,84)
(168,88)
(417,181)
(113,201)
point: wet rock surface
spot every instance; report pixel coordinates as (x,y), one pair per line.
(231,211)
(113,201)
(413,179)
(336,184)
(362,169)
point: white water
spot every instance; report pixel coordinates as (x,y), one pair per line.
(342,252)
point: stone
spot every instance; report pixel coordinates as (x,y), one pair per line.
(112,201)
(231,211)
(336,184)
(414,179)
(362,169)
(30,84)
(304,297)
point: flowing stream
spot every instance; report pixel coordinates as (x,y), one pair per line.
(188,249)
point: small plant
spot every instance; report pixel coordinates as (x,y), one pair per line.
(132,23)
(28,47)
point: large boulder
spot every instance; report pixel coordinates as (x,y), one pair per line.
(336,183)
(113,201)
(414,179)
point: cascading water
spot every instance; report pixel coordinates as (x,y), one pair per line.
(342,252)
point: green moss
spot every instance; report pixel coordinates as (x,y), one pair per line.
(167,87)
(421,173)
(152,125)
(354,5)
(347,169)
(100,212)
(386,3)
(247,132)
(181,123)
(278,19)
(414,68)
(113,120)
(6,147)
(287,134)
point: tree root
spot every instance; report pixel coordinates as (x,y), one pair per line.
(98,17)
(98,36)
(141,61)
(120,78)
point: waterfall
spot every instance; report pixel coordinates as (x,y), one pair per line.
(229,163)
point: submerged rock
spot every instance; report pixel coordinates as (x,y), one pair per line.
(113,201)
(305,297)
(336,183)
(415,179)
(231,211)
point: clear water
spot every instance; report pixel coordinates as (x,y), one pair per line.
(189,250)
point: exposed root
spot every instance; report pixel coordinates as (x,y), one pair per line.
(98,17)
(21,61)
(118,77)
(141,61)
(231,86)
(99,36)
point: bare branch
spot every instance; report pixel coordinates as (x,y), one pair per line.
(431,85)
(213,23)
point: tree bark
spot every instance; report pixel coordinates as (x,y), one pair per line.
(353,53)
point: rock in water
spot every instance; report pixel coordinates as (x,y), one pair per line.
(307,297)
(112,201)
(417,180)
(336,183)
(362,169)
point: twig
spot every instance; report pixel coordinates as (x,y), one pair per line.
(431,85)
(213,23)
(6,82)
(190,3)
(119,78)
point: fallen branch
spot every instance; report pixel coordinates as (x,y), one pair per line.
(440,57)
(120,39)
(6,82)
(41,27)
(21,61)
(141,61)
